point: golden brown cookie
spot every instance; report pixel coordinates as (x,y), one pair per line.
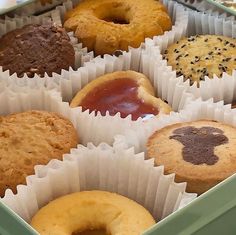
(90,210)
(127,92)
(28,139)
(202,153)
(104,26)
(202,55)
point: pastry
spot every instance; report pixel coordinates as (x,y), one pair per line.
(202,153)
(127,92)
(202,55)
(36,49)
(90,210)
(104,26)
(28,139)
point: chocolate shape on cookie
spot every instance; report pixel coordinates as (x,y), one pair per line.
(199,143)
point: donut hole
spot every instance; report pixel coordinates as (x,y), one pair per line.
(92,232)
(117,13)
(116,20)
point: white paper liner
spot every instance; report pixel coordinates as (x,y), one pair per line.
(194,110)
(100,168)
(199,23)
(93,127)
(9,24)
(175,10)
(206,7)
(37,8)
(23,99)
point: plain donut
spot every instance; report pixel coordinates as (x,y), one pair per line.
(91,210)
(105,26)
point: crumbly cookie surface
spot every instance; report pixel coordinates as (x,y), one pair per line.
(36,49)
(105,26)
(28,139)
(201,153)
(202,55)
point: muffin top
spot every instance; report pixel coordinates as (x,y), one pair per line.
(28,139)
(36,49)
(202,55)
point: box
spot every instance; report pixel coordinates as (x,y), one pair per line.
(212,213)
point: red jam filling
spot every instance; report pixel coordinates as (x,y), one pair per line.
(119,95)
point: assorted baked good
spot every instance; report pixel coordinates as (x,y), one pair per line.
(36,49)
(90,210)
(202,55)
(201,153)
(28,139)
(104,26)
(126,92)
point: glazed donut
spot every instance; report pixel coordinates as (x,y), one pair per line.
(126,92)
(91,210)
(104,26)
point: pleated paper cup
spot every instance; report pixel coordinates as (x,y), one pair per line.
(114,169)
(194,110)
(100,168)
(217,88)
(36,7)
(140,60)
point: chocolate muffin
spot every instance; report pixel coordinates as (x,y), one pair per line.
(36,49)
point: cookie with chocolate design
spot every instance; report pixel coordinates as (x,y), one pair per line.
(202,55)
(202,153)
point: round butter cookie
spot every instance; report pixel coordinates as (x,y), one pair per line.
(202,153)
(126,92)
(104,26)
(202,55)
(28,139)
(92,210)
